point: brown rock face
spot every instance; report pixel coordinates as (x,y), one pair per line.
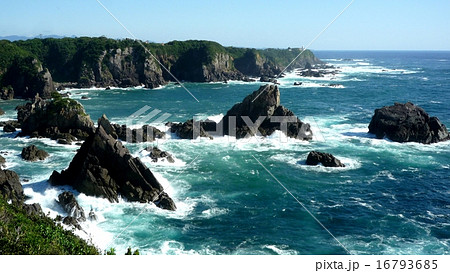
(104,167)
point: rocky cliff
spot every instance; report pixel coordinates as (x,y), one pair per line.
(39,66)
(26,78)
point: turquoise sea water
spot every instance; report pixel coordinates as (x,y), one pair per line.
(391,198)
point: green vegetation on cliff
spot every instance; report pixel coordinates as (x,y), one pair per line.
(33,234)
(86,62)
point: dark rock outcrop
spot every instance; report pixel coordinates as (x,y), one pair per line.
(327,160)
(92,216)
(311,73)
(258,114)
(71,221)
(407,123)
(33,153)
(9,128)
(10,124)
(68,201)
(263,106)
(186,130)
(104,167)
(2,162)
(156,154)
(146,133)
(2,112)
(267,79)
(60,118)
(33,209)
(11,190)
(10,187)
(6,93)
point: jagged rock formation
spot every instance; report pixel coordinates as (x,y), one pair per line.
(327,160)
(157,154)
(92,216)
(33,153)
(407,122)
(2,162)
(10,125)
(186,130)
(69,203)
(263,108)
(146,133)
(56,119)
(11,190)
(9,128)
(104,167)
(10,186)
(260,113)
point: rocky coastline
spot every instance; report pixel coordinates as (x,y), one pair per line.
(104,167)
(42,66)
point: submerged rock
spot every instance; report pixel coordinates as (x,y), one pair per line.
(407,122)
(156,154)
(103,167)
(68,201)
(33,153)
(2,112)
(327,160)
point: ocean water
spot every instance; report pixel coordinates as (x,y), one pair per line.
(391,198)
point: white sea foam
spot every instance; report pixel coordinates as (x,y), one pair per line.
(281,250)
(213,212)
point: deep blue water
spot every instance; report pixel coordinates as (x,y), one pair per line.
(390,199)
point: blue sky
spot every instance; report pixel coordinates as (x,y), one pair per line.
(366,25)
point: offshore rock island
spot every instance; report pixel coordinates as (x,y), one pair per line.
(40,66)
